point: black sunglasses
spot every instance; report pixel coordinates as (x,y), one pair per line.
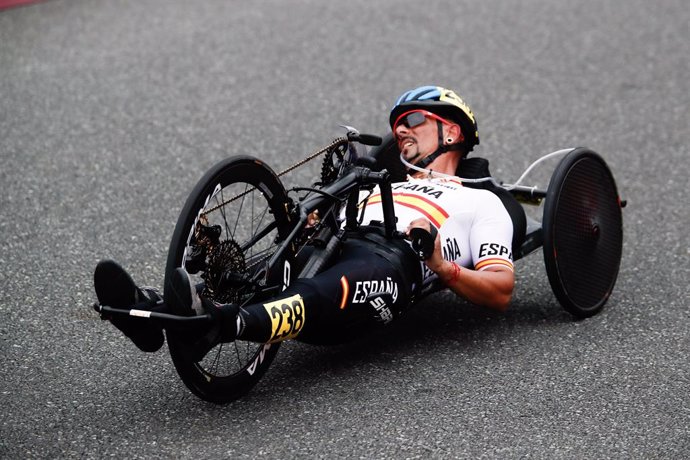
(415,118)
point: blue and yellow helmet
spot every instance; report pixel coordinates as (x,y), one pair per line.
(444,103)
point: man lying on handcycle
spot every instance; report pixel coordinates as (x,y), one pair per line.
(373,280)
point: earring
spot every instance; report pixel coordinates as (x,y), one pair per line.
(449,140)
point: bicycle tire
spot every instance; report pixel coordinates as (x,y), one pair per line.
(583,232)
(234,199)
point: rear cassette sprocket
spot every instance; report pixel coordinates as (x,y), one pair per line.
(225,269)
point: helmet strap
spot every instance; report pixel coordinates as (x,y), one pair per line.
(442,148)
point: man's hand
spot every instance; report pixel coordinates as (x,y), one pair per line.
(492,288)
(313,218)
(435,261)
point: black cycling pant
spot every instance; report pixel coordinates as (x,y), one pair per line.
(372,281)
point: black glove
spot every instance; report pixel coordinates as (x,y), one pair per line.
(423,241)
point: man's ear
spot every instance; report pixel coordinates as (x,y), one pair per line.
(454,134)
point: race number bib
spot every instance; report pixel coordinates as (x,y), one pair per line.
(287,318)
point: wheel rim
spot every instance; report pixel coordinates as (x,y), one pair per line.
(229,359)
(231,225)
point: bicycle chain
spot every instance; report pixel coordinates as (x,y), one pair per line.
(336,143)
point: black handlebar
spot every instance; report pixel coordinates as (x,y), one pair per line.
(366,139)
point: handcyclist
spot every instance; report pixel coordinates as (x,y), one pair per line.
(373,279)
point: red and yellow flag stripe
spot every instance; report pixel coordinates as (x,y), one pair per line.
(487,262)
(429,209)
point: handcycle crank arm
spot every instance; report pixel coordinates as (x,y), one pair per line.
(350,183)
(308,206)
(339,187)
(346,183)
(164,320)
(354,178)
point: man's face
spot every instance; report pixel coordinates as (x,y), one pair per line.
(417,140)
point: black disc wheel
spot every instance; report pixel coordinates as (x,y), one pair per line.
(583,232)
(227,231)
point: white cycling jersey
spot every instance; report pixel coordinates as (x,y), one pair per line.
(475,228)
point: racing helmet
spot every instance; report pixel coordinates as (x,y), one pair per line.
(444,103)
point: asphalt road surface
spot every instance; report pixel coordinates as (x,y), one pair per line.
(111,110)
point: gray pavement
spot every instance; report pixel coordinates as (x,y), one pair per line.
(110,111)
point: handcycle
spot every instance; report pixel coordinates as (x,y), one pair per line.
(245,238)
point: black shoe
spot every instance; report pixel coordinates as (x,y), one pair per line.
(115,288)
(187,302)
(185,299)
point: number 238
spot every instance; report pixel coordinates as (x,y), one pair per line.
(287,318)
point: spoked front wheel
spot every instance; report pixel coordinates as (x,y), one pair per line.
(583,232)
(225,236)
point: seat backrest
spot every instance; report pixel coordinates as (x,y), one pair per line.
(387,156)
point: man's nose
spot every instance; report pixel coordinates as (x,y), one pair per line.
(401,130)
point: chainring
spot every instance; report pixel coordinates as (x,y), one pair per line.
(330,167)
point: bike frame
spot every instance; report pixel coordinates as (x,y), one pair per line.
(355,175)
